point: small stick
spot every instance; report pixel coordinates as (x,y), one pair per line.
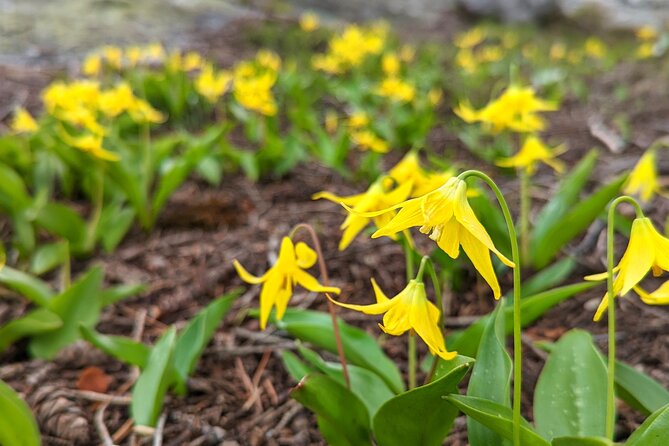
(101,428)
(158,435)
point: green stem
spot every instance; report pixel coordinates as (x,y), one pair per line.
(515,255)
(610,382)
(440,305)
(412,359)
(408,257)
(98,201)
(525,185)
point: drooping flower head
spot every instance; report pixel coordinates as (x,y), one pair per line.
(534,150)
(410,309)
(447,218)
(279,280)
(647,250)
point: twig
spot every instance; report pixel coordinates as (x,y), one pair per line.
(100,397)
(294,409)
(248,384)
(101,428)
(158,435)
(123,431)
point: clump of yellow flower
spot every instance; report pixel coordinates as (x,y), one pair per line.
(470,38)
(408,310)
(279,280)
(515,110)
(533,151)
(89,143)
(117,58)
(367,140)
(309,22)
(647,250)
(212,84)
(390,64)
(643,180)
(23,122)
(350,48)
(396,89)
(253,81)
(595,48)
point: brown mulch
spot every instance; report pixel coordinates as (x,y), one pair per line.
(239,393)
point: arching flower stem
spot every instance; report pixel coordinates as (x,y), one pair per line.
(515,255)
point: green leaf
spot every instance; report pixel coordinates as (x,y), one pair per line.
(115,222)
(61,220)
(419,416)
(196,335)
(28,286)
(365,384)
(360,348)
(295,367)
(549,277)
(581,441)
(149,391)
(491,377)
(639,390)
(13,192)
(117,293)
(122,348)
(653,431)
(565,197)
(345,416)
(579,217)
(496,417)
(533,307)
(49,256)
(570,396)
(33,323)
(78,305)
(17,424)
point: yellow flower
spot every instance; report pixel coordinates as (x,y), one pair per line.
(409,170)
(647,250)
(396,89)
(645,50)
(191,61)
(658,297)
(309,22)
(133,54)
(470,38)
(89,143)
(154,52)
(269,60)
(377,197)
(92,65)
(514,110)
(142,112)
(491,53)
(117,100)
(367,140)
(23,122)
(350,48)
(408,310)
(358,119)
(407,53)
(646,33)
(446,216)
(465,59)
(212,85)
(390,64)
(595,48)
(331,121)
(558,51)
(278,281)
(533,151)
(434,96)
(643,181)
(327,63)
(113,55)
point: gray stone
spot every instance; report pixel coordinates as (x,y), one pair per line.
(617,14)
(510,10)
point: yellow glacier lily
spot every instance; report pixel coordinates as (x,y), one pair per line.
(642,181)
(658,297)
(647,250)
(446,216)
(375,198)
(278,281)
(408,310)
(533,151)
(23,122)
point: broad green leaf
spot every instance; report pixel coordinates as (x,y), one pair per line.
(115,222)
(49,256)
(577,220)
(533,307)
(295,367)
(639,390)
(565,197)
(419,416)
(117,293)
(122,348)
(13,192)
(496,417)
(28,286)
(17,424)
(196,335)
(78,305)
(654,431)
(345,416)
(551,276)
(365,384)
(491,377)
(37,321)
(61,220)
(360,348)
(581,441)
(570,396)
(149,391)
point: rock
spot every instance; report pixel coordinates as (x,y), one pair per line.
(617,14)
(510,10)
